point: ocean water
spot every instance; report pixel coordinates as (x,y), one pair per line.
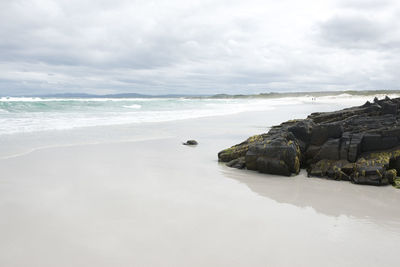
(25,115)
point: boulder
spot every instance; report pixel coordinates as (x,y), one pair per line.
(190,143)
(369,172)
(276,156)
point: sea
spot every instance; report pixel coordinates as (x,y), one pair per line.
(36,114)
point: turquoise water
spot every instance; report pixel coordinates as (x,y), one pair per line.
(38,114)
(21,115)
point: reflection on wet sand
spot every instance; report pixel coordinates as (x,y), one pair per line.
(333,198)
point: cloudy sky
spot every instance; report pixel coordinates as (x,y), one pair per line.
(198,46)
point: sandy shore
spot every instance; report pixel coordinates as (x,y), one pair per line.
(157,203)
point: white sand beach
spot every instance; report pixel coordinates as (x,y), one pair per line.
(97,100)
(134,196)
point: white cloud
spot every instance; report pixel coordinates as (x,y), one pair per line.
(200,47)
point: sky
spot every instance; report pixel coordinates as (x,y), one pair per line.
(198,46)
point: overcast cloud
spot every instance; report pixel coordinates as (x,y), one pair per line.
(198,47)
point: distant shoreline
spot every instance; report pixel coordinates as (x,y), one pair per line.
(218,96)
(310,94)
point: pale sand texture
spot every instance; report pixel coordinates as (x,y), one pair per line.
(158,203)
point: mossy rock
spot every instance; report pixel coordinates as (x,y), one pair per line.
(329,168)
(396,183)
(239,150)
(391,175)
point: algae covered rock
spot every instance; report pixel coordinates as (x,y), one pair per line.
(359,144)
(333,169)
(276,156)
(239,150)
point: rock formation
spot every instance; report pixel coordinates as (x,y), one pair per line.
(358,144)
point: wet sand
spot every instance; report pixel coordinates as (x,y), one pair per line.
(159,203)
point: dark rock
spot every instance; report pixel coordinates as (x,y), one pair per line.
(275,156)
(323,132)
(391,132)
(391,175)
(312,151)
(367,104)
(394,163)
(354,147)
(348,168)
(272,166)
(329,150)
(372,142)
(389,108)
(359,144)
(369,172)
(331,169)
(239,150)
(190,143)
(344,145)
(302,130)
(239,163)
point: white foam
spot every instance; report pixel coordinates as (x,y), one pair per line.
(38,99)
(134,106)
